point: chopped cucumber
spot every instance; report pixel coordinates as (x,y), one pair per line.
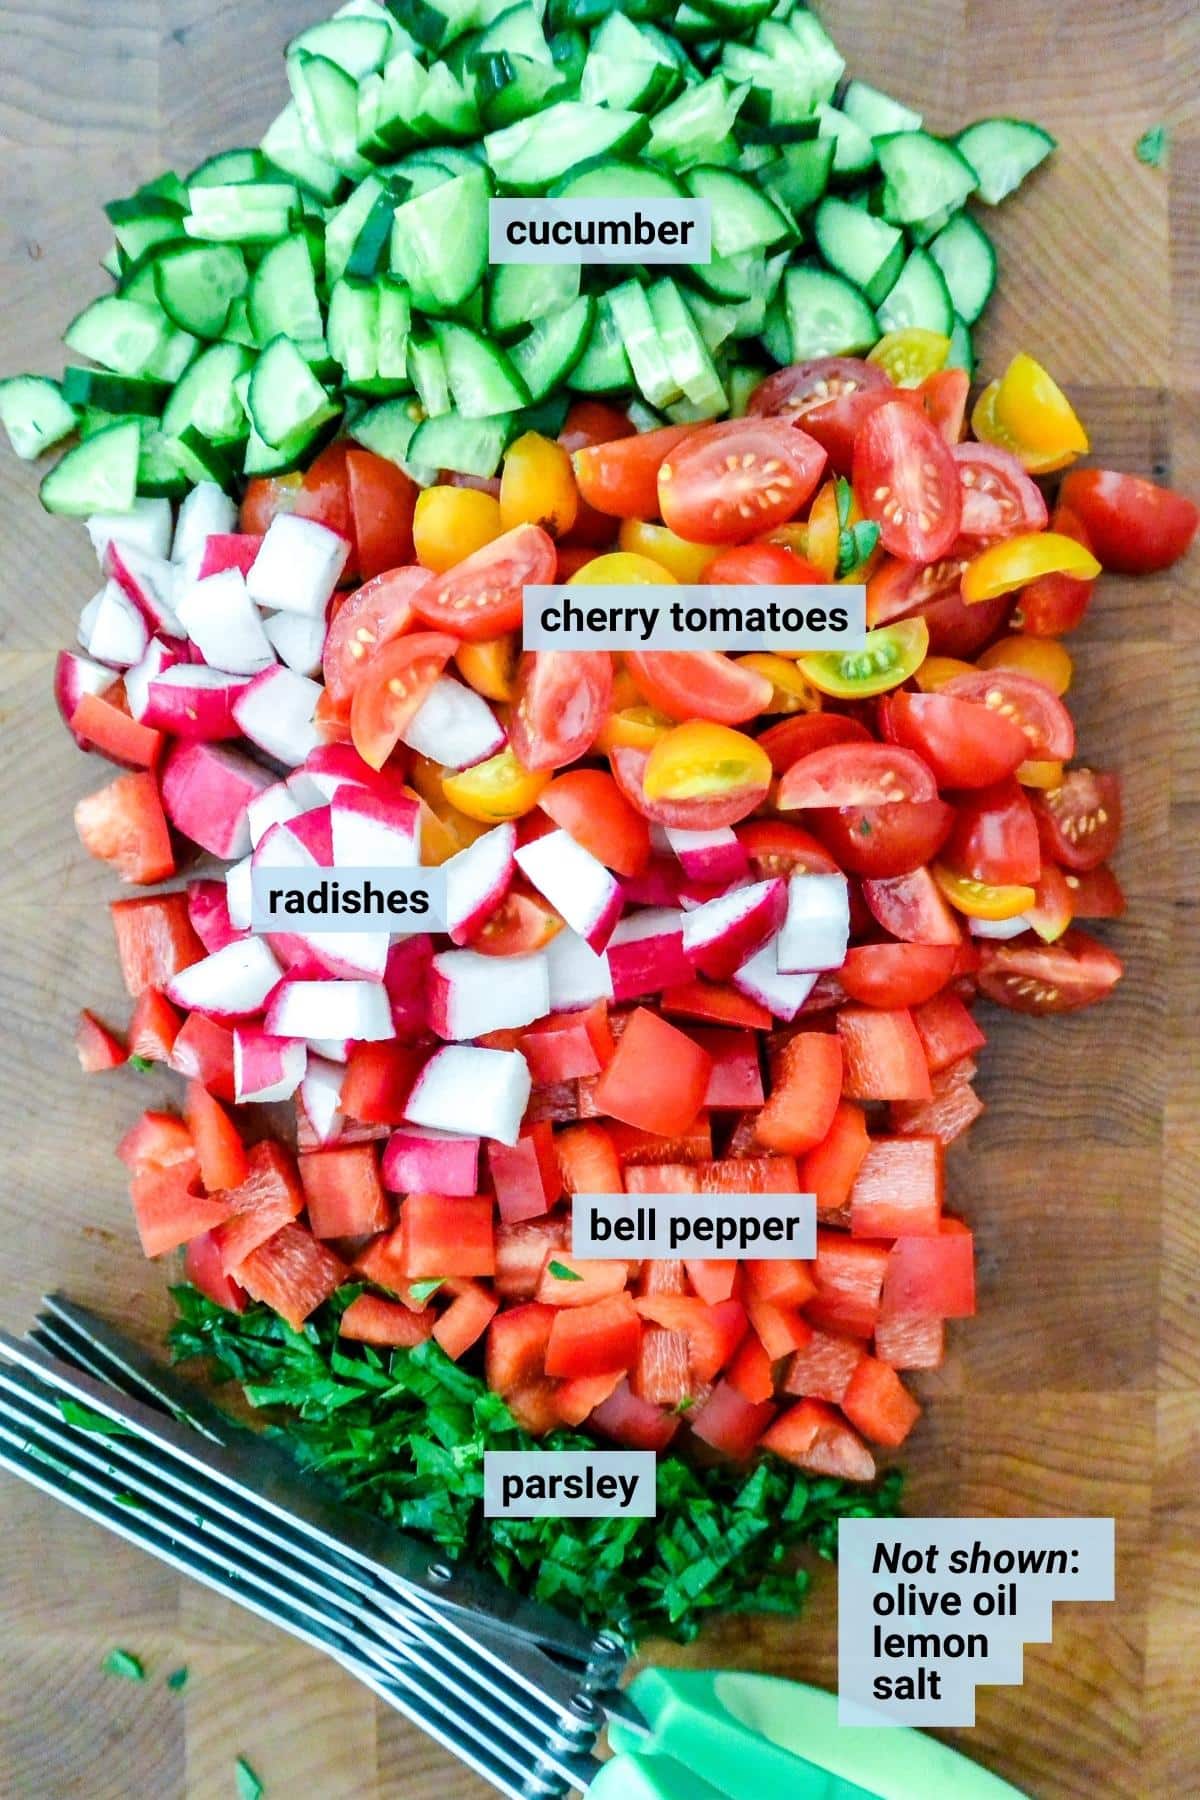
(285,399)
(604,366)
(468,446)
(692,368)
(963,252)
(742,218)
(196,285)
(547,355)
(521,292)
(867,251)
(122,335)
(853,150)
(1002,152)
(877,113)
(440,242)
(132,395)
(35,414)
(919,297)
(483,382)
(205,398)
(533,154)
(282,298)
(922,174)
(635,322)
(98,476)
(825,316)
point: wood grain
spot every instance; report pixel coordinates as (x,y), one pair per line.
(1077,1390)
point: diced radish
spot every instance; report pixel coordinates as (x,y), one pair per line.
(159,657)
(112,630)
(477,880)
(280,848)
(240,894)
(357,1010)
(297,567)
(276,711)
(470,994)
(75,676)
(722,935)
(462,1083)
(645,953)
(228,550)
(233,983)
(320,1095)
(407,981)
(191,701)
(425,1161)
(313,831)
(146,526)
(206,512)
(309,952)
(206,789)
(266,1067)
(274,806)
(760,979)
(817,928)
(149,581)
(577,975)
(220,617)
(575,883)
(454,726)
(304,790)
(208,910)
(370,832)
(334,1050)
(998,928)
(331,766)
(297,640)
(709,855)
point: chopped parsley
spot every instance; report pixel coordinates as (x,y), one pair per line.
(249,1787)
(561,1272)
(125,1664)
(1152,146)
(177,1680)
(425,1290)
(141,1063)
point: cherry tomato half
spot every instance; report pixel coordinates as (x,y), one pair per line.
(885,841)
(898,588)
(965,744)
(888,656)
(700,814)
(893,975)
(703,761)
(995,837)
(907,481)
(1134,525)
(686,684)
(621,477)
(982,899)
(1048,727)
(382,499)
(855,775)
(481,597)
(767,565)
(1030,977)
(394,686)
(562,699)
(998,498)
(789,740)
(910,355)
(1018,560)
(521,924)
(1053,604)
(735,480)
(589,804)
(1080,821)
(912,908)
(374,614)
(776,847)
(832,395)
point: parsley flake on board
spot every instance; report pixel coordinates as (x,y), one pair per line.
(403,1434)
(177,1680)
(1151,147)
(125,1664)
(249,1787)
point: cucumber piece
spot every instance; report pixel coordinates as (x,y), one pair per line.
(741,382)
(352,332)
(197,284)
(433,23)
(229,167)
(801,174)
(963,252)
(731,15)
(519,292)
(627,67)
(923,231)
(715,323)
(370,202)
(387,104)
(161,471)
(742,218)
(961,354)
(140,223)
(282,297)
(285,399)
(136,281)
(518,29)
(733,278)
(204,396)
(327,101)
(388,429)
(98,476)
(510,87)
(568,51)
(617,178)
(877,113)
(693,127)
(36,413)
(853,151)
(544,357)
(395,323)
(821,55)
(440,241)
(238,329)
(286,147)
(427,367)
(919,297)
(546,417)
(119,334)
(647,358)
(533,154)
(922,174)
(466,446)
(357,45)
(131,395)
(603,366)
(867,251)
(825,316)
(483,382)
(688,360)
(1002,152)
(447,106)
(242,213)
(177,353)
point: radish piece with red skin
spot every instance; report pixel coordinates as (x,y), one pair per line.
(207,511)
(297,641)
(645,954)
(708,855)
(454,726)
(721,935)
(816,930)
(206,790)
(146,526)
(357,1010)
(372,832)
(239,895)
(112,629)
(422,1160)
(497,1082)
(265,1067)
(276,805)
(233,983)
(275,711)
(220,618)
(761,979)
(320,1095)
(75,676)
(471,994)
(229,550)
(576,884)
(194,702)
(149,581)
(406,978)
(477,879)
(297,566)
(159,657)
(577,976)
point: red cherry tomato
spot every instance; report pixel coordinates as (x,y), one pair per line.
(379,610)
(898,588)
(561,702)
(1031,977)
(832,395)
(481,596)
(776,847)
(998,498)
(907,481)
(620,477)
(790,739)
(1054,604)
(942,397)
(699,684)
(1096,893)
(995,837)
(885,841)
(393,688)
(591,422)
(958,630)
(1043,718)
(1134,525)
(589,804)
(897,974)
(913,908)
(855,775)
(965,744)
(729,482)
(1080,821)
(382,499)
(766,565)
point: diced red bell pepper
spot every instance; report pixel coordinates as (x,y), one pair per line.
(292,1273)
(663,1372)
(713,1004)
(879,1404)
(954,1108)
(662,1178)
(592,1340)
(465,1319)
(203,1051)
(829,1171)
(634,1146)
(567,1045)
(522,1250)
(911,1343)
(154,1027)
(155,940)
(633,1422)
(447,1237)
(157,1140)
(97,1048)
(370,1320)
(822,1369)
(780,1329)
(202,1268)
(849,1277)
(735,1081)
(662,1275)
(576,1400)
(729,1422)
(588,1279)
(931,1277)
(516,1346)
(100,725)
(268,1199)
(343,1191)
(812,1436)
(885,1059)
(713,1332)
(898,1190)
(124,824)
(750,1175)
(713,1277)
(751,1371)
(535,1407)
(349,1132)
(382,1262)
(657,1077)
(587,1161)
(378,1081)
(557,1103)
(525,1175)
(946,1030)
(781,1281)
(222,1155)
(169,1209)
(804,1094)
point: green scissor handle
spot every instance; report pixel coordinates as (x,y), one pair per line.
(735,1736)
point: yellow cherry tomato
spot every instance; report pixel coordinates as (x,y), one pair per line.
(685,561)
(793,692)
(989,430)
(1043,658)
(888,656)
(824,531)
(936,671)
(537,486)
(623,568)
(500,788)
(701,760)
(441,822)
(1032,407)
(625,690)
(910,355)
(490,667)
(980,899)
(1016,561)
(793,536)
(636,727)
(451,523)
(1040,774)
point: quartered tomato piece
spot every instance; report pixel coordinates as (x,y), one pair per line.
(1048,727)
(995,837)
(998,498)
(382,498)
(982,899)
(697,814)
(776,847)
(789,740)
(392,690)
(537,486)
(907,481)
(321,493)
(589,804)
(522,923)
(967,745)
(768,565)
(956,629)
(889,655)
(831,395)
(885,841)
(911,907)
(909,356)
(897,974)
(703,761)
(735,480)
(856,775)
(686,684)
(620,477)
(989,430)
(942,397)
(1019,560)
(1080,821)
(1134,525)
(1031,977)
(500,788)
(1053,604)
(685,562)
(791,690)
(1032,408)
(561,702)
(451,523)
(1042,658)
(481,597)
(490,666)
(897,588)
(379,610)
(1054,904)
(1096,893)
(632,728)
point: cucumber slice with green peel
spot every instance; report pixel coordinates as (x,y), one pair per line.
(742,218)
(697,124)
(447,106)
(963,252)
(197,284)
(740,383)
(732,278)
(356,44)
(801,174)
(510,87)
(776,336)
(877,113)
(98,476)
(287,148)
(285,400)
(533,154)
(825,316)
(922,174)
(867,251)
(352,333)
(204,396)
(238,329)
(140,223)
(387,103)
(131,395)
(282,297)
(166,186)
(603,366)
(466,446)
(440,241)
(427,367)
(619,178)
(36,413)
(733,15)
(853,150)
(692,368)
(394,325)
(519,292)
(918,298)
(819,52)
(119,334)
(176,354)
(227,167)
(715,323)
(358,212)
(546,417)
(161,470)
(568,52)
(388,429)
(370,248)
(242,213)
(635,322)
(923,231)
(547,354)
(327,101)
(517,29)
(483,382)
(434,23)
(1002,152)
(961,354)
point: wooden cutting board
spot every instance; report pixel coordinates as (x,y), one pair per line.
(1077,1389)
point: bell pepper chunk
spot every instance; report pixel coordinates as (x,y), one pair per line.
(343,1191)
(269,1198)
(830,1169)
(849,1275)
(292,1273)
(372,1320)
(804,1093)
(657,1078)
(730,1423)
(443,1237)
(931,1277)
(884,1057)
(814,1437)
(898,1189)
(592,1340)
(466,1319)
(823,1368)
(877,1402)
